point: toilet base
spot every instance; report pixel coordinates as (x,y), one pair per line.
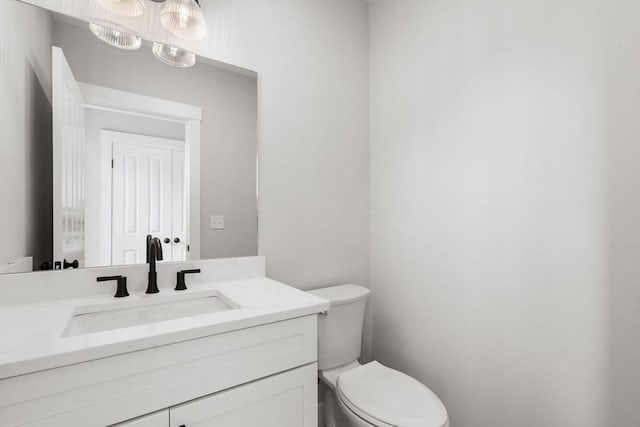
(332,414)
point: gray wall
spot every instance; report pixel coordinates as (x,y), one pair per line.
(622,132)
(505,200)
(228,133)
(25,133)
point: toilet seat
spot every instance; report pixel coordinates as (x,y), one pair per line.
(385,397)
(330,376)
(357,417)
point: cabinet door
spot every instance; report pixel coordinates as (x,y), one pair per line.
(157,419)
(284,400)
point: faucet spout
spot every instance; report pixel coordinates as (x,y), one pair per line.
(154,253)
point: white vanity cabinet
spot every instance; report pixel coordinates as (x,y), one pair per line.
(283,400)
(157,419)
(259,376)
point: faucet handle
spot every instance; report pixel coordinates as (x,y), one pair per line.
(66,264)
(121,290)
(180,284)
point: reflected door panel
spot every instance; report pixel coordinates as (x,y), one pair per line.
(179,208)
(68,160)
(142,201)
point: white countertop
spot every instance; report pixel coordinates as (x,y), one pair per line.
(31,335)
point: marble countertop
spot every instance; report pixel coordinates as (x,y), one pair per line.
(32,335)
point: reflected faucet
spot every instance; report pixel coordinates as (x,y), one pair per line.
(154,252)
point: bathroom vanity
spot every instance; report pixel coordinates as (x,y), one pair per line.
(234,349)
(105,174)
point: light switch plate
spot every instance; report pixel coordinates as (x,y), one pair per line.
(216,222)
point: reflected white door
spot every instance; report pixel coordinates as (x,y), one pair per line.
(147,195)
(179,208)
(68,161)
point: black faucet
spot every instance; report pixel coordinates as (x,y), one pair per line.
(122,285)
(180,285)
(154,252)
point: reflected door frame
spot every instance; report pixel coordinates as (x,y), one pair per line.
(103,98)
(168,155)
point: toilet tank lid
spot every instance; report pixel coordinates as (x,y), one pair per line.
(342,294)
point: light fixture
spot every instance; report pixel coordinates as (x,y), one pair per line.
(172,55)
(115,37)
(184,19)
(130,8)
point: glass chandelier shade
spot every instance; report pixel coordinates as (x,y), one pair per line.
(129,8)
(173,55)
(184,19)
(114,37)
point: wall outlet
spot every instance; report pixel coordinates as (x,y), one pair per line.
(216,222)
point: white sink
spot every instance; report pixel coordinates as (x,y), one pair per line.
(156,308)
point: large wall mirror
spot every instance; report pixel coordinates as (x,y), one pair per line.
(103,146)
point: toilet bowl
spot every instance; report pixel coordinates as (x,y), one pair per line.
(365,395)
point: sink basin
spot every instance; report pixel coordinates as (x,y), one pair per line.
(116,315)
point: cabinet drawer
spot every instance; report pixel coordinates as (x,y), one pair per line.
(283,400)
(111,390)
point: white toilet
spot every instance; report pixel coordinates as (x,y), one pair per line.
(366,395)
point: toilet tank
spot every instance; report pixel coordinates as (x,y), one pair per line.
(340,329)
